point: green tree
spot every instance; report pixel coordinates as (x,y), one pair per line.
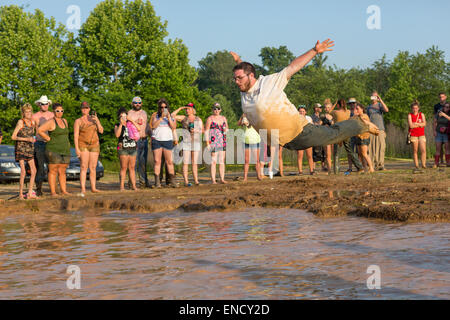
(401,92)
(33,61)
(215,76)
(122,53)
(276,59)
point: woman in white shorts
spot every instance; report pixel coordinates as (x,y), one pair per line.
(192,142)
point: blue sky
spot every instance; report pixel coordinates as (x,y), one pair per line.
(246,26)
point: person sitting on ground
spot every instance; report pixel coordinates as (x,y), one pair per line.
(192,140)
(339,115)
(362,140)
(126,149)
(441,126)
(267,107)
(309,151)
(57,149)
(417,124)
(251,145)
(24,152)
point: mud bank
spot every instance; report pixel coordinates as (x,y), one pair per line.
(393,196)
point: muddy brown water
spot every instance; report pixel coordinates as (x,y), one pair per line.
(249,254)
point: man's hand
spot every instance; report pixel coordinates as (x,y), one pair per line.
(236,57)
(324,46)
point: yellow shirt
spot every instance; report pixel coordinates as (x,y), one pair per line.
(267,107)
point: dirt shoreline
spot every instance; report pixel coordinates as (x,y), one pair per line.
(394,195)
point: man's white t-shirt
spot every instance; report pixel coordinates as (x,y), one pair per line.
(267,107)
(309,119)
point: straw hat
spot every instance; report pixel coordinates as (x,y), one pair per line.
(43,100)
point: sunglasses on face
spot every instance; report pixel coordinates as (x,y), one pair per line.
(44,104)
(137,102)
(59,111)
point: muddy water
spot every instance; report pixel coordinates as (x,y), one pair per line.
(252,254)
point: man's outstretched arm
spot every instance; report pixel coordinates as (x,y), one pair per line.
(304,59)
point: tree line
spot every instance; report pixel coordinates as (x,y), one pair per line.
(123,50)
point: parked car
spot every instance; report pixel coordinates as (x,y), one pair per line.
(73,171)
(9,168)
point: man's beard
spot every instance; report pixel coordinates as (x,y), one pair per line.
(135,108)
(247,87)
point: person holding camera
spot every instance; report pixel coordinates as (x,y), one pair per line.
(377,146)
(163,125)
(192,140)
(87,145)
(126,148)
(138,115)
(441,125)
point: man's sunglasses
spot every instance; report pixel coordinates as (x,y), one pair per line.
(59,111)
(44,104)
(215,108)
(137,102)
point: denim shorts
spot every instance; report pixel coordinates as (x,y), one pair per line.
(168,145)
(362,142)
(132,152)
(441,137)
(252,146)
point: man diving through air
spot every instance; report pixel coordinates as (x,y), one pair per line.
(267,107)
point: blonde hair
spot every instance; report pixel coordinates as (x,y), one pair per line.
(327,101)
(26,107)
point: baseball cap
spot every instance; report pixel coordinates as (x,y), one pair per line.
(84,104)
(190,105)
(317,105)
(351,100)
(137,100)
(302,106)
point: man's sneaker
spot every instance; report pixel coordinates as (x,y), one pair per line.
(271,175)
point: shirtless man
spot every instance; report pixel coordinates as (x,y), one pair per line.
(267,107)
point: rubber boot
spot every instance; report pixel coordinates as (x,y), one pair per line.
(39,188)
(172,182)
(157,181)
(436,160)
(447,159)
